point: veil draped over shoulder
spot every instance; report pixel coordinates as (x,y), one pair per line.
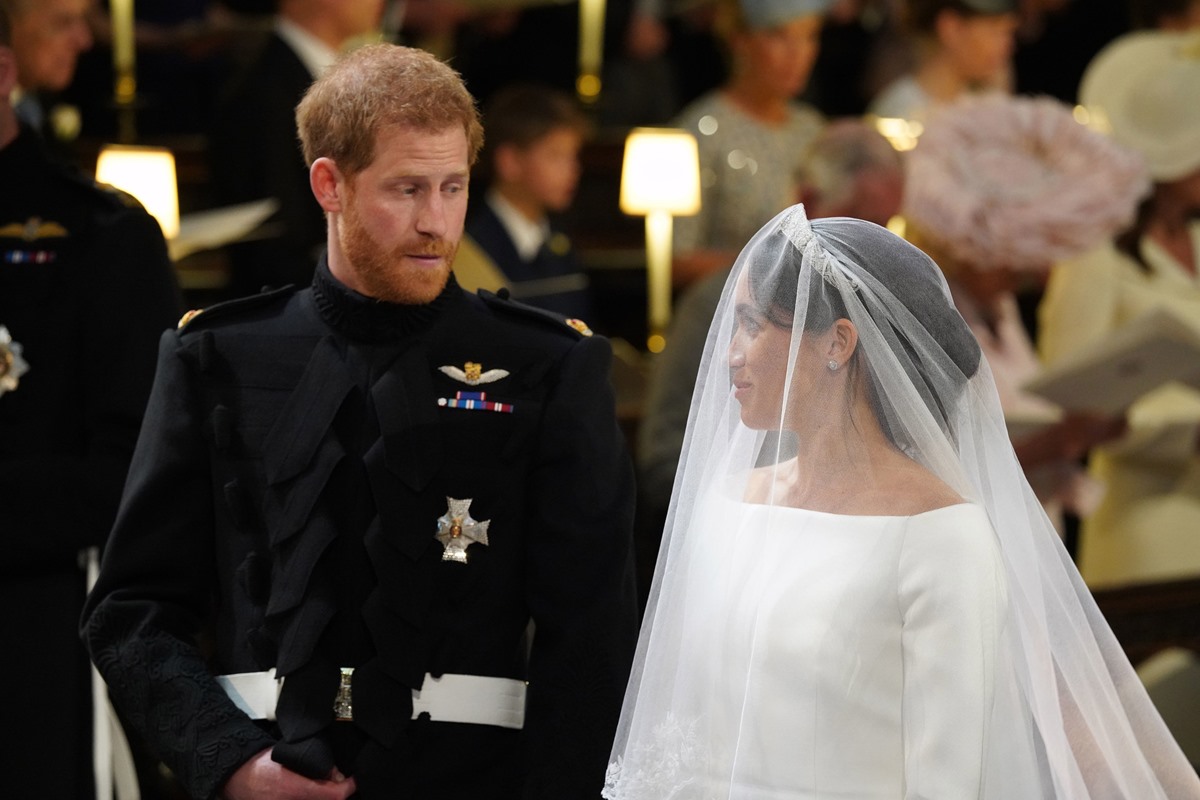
(857,593)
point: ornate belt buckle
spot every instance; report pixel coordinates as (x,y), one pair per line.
(343,706)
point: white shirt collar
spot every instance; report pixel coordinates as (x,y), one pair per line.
(315,54)
(527,236)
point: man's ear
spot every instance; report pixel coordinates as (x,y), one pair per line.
(843,340)
(328,184)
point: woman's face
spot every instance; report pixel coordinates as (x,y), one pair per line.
(758,362)
(980,46)
(781,58)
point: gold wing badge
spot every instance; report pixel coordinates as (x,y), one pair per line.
(473,374)
(12,366)
(33,229)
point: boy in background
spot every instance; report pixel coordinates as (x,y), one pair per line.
(531,157)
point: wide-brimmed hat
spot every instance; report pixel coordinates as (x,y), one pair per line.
(1144,88)
(1017,182)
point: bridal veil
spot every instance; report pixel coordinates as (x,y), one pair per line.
(1058,711)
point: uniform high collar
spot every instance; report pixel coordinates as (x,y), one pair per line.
(23,156)
(366,319)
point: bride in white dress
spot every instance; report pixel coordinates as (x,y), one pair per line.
(858,595)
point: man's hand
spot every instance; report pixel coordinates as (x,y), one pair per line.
(261,778)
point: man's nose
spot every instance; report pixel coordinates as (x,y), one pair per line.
(431,220)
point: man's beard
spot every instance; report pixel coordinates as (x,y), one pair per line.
(384,276)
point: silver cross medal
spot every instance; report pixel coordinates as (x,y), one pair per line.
(12,366)
(457,531)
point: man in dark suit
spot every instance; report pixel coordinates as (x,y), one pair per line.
(86,289)
(253,152)
(350,502)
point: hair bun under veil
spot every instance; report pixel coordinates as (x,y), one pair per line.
(914,279)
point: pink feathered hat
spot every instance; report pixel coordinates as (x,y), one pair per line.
(1000,181)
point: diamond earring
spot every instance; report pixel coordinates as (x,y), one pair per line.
(833,365)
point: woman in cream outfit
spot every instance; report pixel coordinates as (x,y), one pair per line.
(858,594)
(1146,87)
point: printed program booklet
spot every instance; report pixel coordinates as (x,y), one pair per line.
(1107,376)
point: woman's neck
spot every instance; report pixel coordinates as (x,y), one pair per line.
(836,459)
(939,79)
(757,103)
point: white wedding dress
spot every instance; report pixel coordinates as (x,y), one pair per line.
(870,643)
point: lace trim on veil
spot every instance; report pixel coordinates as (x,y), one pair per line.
(665,768)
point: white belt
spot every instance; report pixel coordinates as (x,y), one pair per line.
(471,699)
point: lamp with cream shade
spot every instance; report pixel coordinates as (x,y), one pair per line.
(147,173)
(660,177)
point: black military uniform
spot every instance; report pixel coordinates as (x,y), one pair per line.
(86,289)
(299,451)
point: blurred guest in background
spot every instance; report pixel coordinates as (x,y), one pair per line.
(1145,86)
(961,46)
(253,151)
(48,38)
(751,132)
(851,170)
(85,291)
(998,190)
(531,165)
